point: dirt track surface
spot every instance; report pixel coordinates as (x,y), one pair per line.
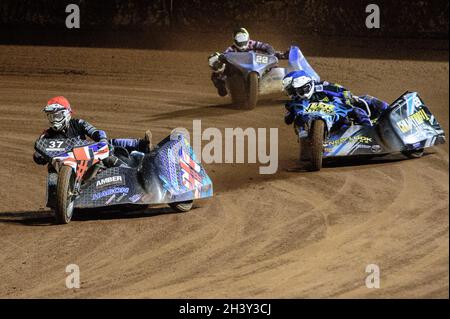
(292,234)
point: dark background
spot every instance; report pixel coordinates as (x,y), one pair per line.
(325,17)
(205,25)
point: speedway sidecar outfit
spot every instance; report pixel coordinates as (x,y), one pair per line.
(242,43)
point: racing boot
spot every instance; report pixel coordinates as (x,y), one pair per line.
(219,83)
(361,117)
(222,90)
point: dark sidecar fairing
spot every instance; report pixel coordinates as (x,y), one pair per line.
(408,125)
(168,174)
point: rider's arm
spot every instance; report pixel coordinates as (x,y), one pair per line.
(37,157)
(97,135)
(338,91)
(229,49)
(261,46)
(282,55)
(292,108)
(91,131)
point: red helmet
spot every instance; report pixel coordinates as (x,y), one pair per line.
(58,112)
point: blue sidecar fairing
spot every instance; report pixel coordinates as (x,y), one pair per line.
(270,74)
(408,125)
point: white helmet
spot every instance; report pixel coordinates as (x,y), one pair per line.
(241,38)
(287,85)
(299,84)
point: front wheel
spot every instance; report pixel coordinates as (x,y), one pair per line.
(182,207)
(304,150)
(236,87)
(414,153)
(253,89)
(64,195)
(316,144)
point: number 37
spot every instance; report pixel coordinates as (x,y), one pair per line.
(54,144)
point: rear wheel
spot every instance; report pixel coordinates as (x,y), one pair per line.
(414,153)
(253,88)
(316,144)
(182,207)
(64,196)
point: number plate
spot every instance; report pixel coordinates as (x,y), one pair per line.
(56,146)
(262,59)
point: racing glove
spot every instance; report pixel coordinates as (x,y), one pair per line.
(289,116)
(99,135)
(282,55)
(110,161)
(39,159)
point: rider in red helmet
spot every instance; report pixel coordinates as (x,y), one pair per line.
(58,113)
(62,125)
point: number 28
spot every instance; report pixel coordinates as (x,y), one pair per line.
(262,59)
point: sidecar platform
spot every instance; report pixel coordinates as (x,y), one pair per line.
(408,125)
(168,174)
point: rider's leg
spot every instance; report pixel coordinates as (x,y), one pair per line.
(361,117)
(218,79)
(119,158)
(143,145)
(377,106)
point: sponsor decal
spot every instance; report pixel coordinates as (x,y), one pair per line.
(55,149)
(413,121)
(190,174)
(321,107)
(108,181)
(376,148)
(360,139)
(373,148)
(110,199)
(111,191)
(120,197)
(319,88)
(135,198)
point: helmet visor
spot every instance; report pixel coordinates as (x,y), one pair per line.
(290,91)
(55,117)
(241,40)
(304,90)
